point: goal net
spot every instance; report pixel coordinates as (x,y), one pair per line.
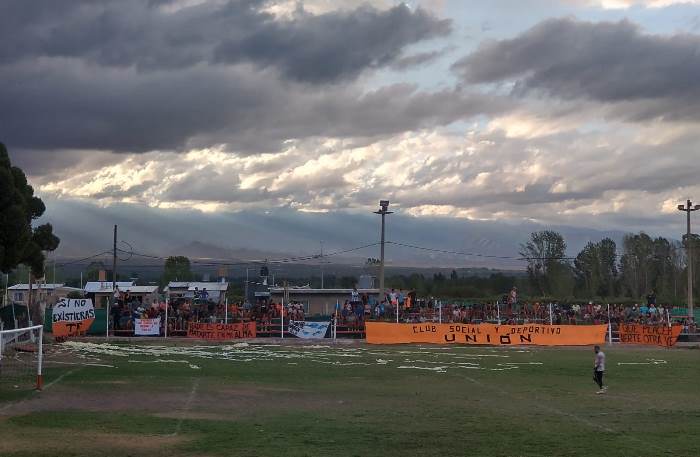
(21,354)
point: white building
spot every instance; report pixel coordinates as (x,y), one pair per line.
(216,291)
(47,294)
(318,301)
(101,291)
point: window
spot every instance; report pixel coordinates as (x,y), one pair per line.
(18,296)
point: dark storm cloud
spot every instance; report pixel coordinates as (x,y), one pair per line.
(61,104)
(147,35)
(57,164)
(605,62)
(335,45)
(415,60)
(143,75)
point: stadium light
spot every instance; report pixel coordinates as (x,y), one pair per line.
(383,211)
(689,208)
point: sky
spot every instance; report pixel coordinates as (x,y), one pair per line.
(275,125)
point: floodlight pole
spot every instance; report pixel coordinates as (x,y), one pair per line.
(7,285)
(246,285)
(383,211)
(167,305)
(689,208)
(114,280)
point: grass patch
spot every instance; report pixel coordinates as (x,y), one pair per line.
(297,401)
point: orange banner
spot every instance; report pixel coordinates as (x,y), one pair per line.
(490,334)
(208,331)
(655,335)
(65,329)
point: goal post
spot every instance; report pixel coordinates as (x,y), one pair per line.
(22,356)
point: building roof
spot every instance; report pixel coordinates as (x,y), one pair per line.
(35,286)
(140,289)
(208,285)
(191,286)
(310,291)
(106,286)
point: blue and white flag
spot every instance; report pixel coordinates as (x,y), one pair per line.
(303,329)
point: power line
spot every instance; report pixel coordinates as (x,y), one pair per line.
(444,251)
(475,254)
(258,261)
(83,259)
(284,260)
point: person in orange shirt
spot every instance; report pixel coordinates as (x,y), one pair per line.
(234,311)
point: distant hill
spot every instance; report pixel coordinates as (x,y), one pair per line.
(283,233)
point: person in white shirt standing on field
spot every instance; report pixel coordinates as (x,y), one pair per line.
(599,369)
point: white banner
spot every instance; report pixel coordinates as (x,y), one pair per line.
(147,327)
(71,317)
(303,329)
(72,310)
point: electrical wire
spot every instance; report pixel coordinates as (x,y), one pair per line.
(259,261)
(285,260)
(474,254)
(444,251)
(63,264)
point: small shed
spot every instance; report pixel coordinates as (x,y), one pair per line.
(101,292)
(319,301)
(213,291)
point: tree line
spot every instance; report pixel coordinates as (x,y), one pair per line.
(641,266)
(21,242)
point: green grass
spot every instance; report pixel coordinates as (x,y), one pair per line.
(269,407)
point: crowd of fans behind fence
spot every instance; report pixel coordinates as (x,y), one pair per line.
(359,308)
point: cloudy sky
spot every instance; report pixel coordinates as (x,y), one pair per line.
(276,124)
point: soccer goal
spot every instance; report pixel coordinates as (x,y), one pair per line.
(21,356)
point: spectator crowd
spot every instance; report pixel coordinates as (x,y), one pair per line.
(399,305)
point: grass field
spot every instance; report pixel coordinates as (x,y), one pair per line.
(353,400)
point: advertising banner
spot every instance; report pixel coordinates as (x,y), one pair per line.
(147,327)
(488,334)
(72,317)
(209,331)
(303,329)
(655,335)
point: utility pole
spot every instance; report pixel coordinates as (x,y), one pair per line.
(383,211)
(114,278)
(285,302)
(246,286)
(689,208)
(321,264)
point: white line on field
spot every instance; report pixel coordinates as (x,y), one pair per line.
(187,406)
(60,378)
(564,414)
(9,405)
(548,408)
